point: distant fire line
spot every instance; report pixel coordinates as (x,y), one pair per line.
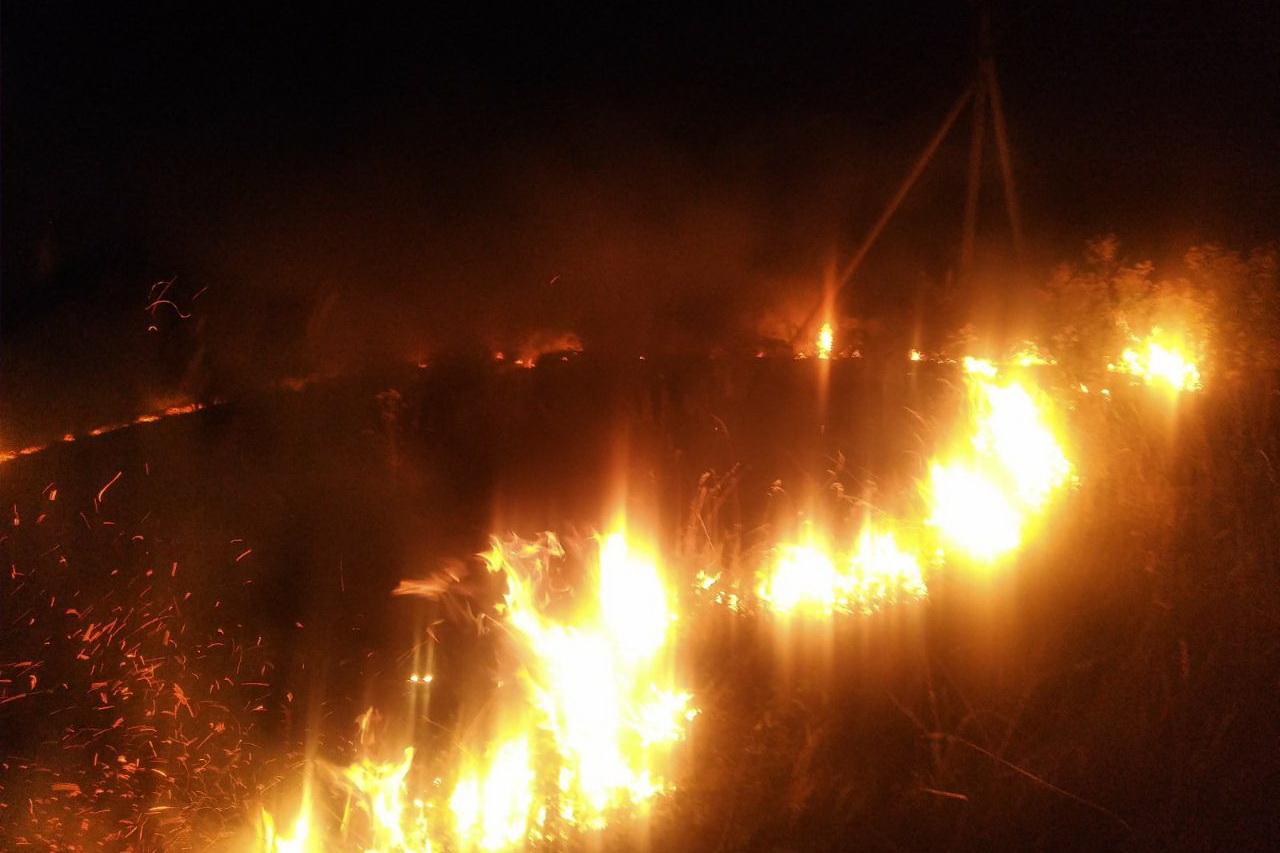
(150,418)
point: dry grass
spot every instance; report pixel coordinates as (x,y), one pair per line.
(1113,689)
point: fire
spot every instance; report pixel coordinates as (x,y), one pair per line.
(149,418)
(1029,355)
(295,842)
(529,350)
(493,801)
(984,495)
(973,512)
(813,579)
(826,338)
(1162,359)
(377,791)
(979,367)
(599,683)
(586,735)
(803,576)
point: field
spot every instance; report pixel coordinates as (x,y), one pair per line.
(180,637)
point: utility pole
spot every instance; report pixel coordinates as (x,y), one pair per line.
(982,92)
(852,266)
(976,139)
(987,90)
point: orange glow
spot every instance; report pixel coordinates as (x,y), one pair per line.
(540,343)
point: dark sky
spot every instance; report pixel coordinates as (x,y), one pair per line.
(468,168)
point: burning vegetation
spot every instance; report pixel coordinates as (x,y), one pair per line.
(639,431)
(577,731)
(700,676)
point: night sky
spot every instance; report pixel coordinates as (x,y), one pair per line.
(370,180)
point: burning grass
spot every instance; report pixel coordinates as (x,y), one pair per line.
(1007,614)
(577,730)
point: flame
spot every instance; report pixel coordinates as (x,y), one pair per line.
(589,736)
(813,579)
(985,494)
(534,346)
(979,367)
(599,683)
(296,842)
(272,840)
(973,512)
(826,338)
(149,418)
(378,790)
(1031,355)
(493,799)
(1163,359)
(804,575)
(378,812)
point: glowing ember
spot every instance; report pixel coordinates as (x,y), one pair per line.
(1162,359)
(172,411)
(984,495)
